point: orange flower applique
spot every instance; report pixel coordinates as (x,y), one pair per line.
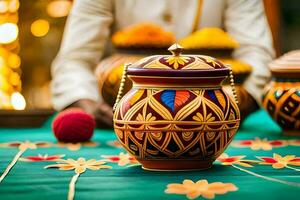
(122,159)
(259,144)
(41,158)
(202,188)
(80,165)
(237,161)
(26,144)
(224,159)
(280,162)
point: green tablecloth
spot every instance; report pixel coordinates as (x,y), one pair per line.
(29,180)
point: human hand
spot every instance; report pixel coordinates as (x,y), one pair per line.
(102,112)
(247,103)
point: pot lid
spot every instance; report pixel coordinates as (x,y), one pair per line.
(178,64)
(289,63)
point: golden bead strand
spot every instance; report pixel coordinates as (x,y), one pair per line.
(122,84)
(232,85)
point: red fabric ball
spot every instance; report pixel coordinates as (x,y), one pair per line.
(73,125)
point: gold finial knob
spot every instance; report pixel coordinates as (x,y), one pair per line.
(175,49)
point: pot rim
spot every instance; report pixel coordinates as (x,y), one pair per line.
(177,73)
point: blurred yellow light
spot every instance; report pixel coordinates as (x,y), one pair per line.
(14,79)
(5,71)
(3,6)
(8,33)
(2,61)
(13,61)
(4,85)
(8,17)
(4,100)
(3,52)
(59,8)
(13,5)
(17,100)
(40,27)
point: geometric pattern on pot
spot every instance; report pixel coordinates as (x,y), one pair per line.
(183,62)
(176,123)
(283,105)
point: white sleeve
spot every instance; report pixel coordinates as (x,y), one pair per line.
(245,20)
(85,35)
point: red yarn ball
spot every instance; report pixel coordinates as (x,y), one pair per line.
(73,125)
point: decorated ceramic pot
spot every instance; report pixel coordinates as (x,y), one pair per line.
(216,42)
(282,96)
(176,116)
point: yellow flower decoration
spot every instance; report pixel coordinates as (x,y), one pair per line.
(279,162)
(234,161)
(126,159)
(211,61)
(199,117)
(42,158)
(259,144)
(149,117)
(225,159)
(80,165)
(27,145)
(175,61)
(202,188)
(122,159)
